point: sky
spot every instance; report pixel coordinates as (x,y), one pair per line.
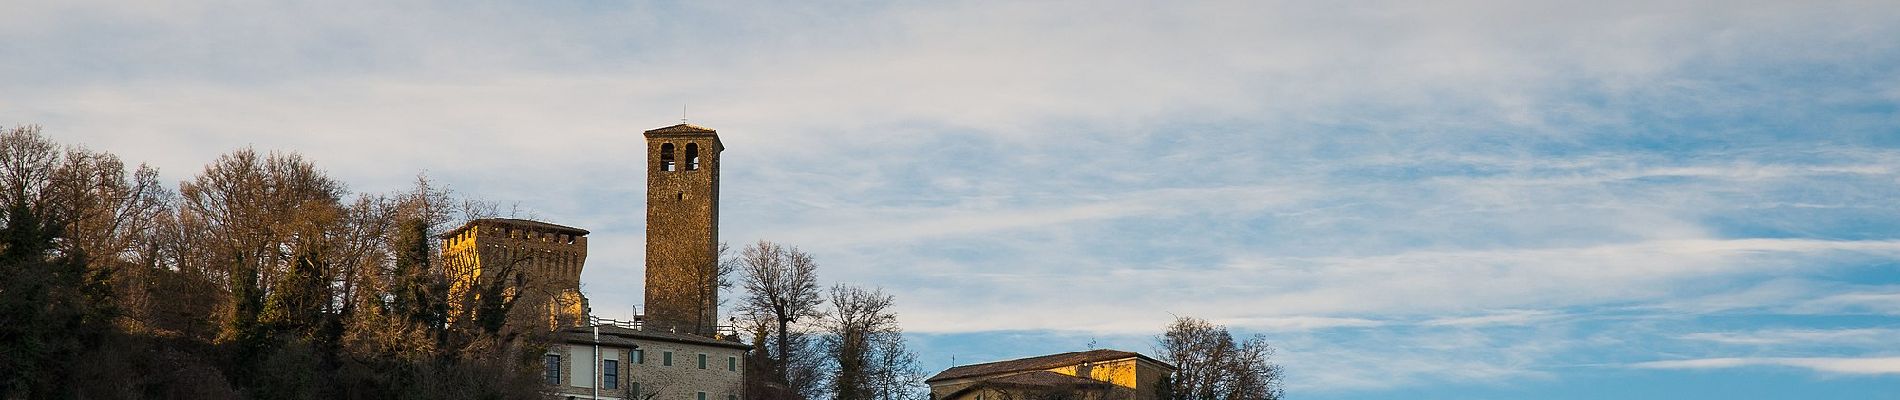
(1436,200)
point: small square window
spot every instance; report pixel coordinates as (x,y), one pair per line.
(701,396)
(639,356)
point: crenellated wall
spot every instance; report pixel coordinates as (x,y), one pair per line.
(538,262)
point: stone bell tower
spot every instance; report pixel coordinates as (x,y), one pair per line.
(682,293)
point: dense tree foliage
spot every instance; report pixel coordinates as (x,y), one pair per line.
(256,279)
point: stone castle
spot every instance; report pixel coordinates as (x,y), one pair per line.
(538,264)
(675,350)
(544,260)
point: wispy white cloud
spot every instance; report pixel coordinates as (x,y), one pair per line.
(1299,323)
(1884,302)
(1799,336)
(1378,358)
(860,226)
(1408,283)
(1514,317)
(1832,365)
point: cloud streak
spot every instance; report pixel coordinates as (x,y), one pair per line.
(1832,365)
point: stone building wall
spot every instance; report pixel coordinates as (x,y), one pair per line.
(644,372)
(685,379)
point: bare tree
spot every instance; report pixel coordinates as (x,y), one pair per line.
(1210,365)
(268,223)
(781,288)
(105,213)
(710,282)
(865,347)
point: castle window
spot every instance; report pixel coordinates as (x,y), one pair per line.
(666,157)
(554,369)
(692,156)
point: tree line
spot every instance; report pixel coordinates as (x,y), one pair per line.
(258,277)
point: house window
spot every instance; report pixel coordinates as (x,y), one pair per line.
(639,356)
(702,361)
(554,369)
(732,363)
(666,358)
(633,390)
(610,374)
(700,396)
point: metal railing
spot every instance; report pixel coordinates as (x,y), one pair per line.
(639,324)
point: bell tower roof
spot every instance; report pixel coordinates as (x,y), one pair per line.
(687,130)
(681,128)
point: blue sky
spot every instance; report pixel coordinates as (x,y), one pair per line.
(1457,200)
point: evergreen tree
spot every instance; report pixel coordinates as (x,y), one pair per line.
(49,306)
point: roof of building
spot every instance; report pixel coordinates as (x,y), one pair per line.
(530,224)
(1039,363)
(611,334)
(1031,379)
(682,128)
